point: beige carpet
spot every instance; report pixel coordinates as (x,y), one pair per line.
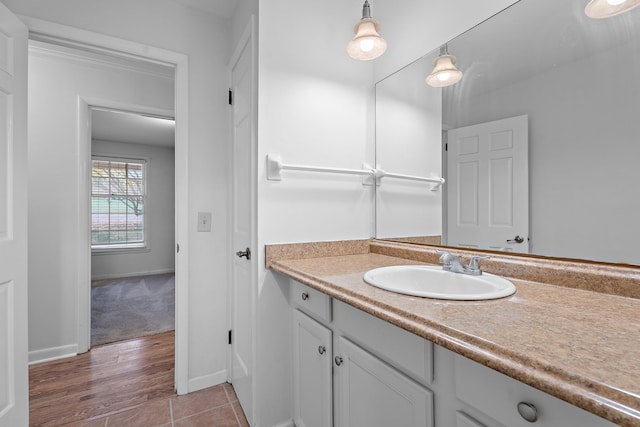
(132,307)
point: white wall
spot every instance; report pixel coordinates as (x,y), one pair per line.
(583,153)
(160,218)
(55,83)
(313,109)
(167,25)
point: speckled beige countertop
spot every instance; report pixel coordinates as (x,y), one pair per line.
(578,345)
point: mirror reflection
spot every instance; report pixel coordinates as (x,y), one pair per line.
(539,142)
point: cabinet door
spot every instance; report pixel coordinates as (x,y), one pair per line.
(463,420)
(312,350)
(370,393)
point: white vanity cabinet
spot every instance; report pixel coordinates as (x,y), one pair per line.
(352,369)
(343,380)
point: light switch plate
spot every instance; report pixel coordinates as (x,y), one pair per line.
(204,221)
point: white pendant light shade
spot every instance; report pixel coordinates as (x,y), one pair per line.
(367,44)
(444,72)
(599,9)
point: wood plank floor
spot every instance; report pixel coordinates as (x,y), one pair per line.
(129,383)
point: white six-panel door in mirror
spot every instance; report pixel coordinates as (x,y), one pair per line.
(487,176)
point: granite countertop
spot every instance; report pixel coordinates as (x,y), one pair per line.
(580,346)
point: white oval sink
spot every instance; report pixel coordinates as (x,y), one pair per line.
(434,282)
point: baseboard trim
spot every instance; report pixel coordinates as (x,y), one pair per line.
(122,275)
(206,381)
(53,353)
(289,423)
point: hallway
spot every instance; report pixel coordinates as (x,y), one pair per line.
(129,383)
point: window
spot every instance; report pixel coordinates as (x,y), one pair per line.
(118,199)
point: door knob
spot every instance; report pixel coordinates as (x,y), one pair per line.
(516,239)
(246,254)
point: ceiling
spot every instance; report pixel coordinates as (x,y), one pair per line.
(130,128)
(222,8)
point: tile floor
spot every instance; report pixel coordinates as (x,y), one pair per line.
(212,407)
(125,384)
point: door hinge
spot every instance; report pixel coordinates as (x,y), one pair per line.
(446,147)
(230,97)
(177,247)
(230,335)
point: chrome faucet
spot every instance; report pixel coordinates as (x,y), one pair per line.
(452,263)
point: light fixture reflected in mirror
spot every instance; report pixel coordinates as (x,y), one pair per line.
(599,9)
(367,44)
(444,71)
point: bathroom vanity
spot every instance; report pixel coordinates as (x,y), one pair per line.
(549,355)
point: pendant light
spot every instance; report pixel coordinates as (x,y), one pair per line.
(444,71)
(367,44)
(599,9)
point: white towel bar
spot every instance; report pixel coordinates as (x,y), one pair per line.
(383,174)
(275,166)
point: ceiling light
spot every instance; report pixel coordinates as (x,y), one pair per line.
(444,71)
(599,9)
(367,44)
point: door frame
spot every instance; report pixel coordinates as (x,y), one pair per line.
(85,106)
(66,35)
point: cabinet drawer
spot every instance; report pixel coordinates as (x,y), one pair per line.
(310,301)
(407,352)
(498,396)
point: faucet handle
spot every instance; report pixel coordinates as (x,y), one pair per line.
(473,263)
(446,258)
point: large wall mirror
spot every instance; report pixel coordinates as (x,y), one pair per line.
(539,142)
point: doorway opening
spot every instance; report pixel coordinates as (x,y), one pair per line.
(132,225)
(67,142)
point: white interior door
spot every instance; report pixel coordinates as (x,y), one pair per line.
(243,195)
(488,185)
(14,389)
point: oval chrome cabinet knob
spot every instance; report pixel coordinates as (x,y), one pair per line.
(528,411)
